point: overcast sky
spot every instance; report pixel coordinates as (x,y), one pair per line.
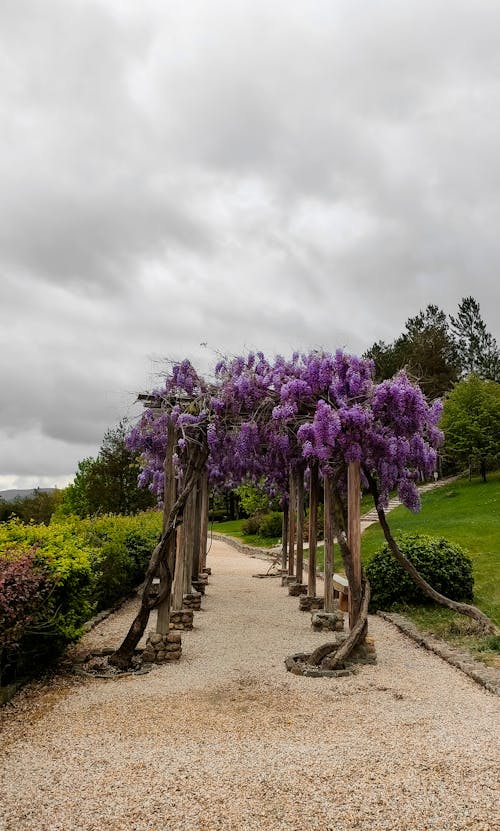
(264,174)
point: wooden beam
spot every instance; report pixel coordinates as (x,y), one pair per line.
(354,539)
(313,528)
(291,526)
(204,521)
(178,585)
(169,497)
(329,545)
(284,538)
(299,486)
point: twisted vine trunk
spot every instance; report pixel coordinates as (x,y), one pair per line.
(124,654)
(359,629)
(341,653)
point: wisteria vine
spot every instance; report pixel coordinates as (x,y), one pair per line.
(263,418)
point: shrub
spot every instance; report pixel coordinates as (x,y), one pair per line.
(251,526)
(271,525)
(23,589)
(86,565)
(445,566)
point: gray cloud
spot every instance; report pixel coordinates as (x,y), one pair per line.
(245,174)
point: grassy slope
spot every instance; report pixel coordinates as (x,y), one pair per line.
(467,513)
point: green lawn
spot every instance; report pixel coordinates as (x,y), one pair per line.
(233,528)
(464,512)
(468,513)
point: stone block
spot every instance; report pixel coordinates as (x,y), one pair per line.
(297,589)
(327,621)
(307,604)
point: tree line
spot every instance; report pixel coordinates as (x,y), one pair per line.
(451,357)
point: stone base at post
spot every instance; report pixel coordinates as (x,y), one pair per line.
(161,649)
(309,604)
(182,619)
(296,589)
(199,586)
(362,655)
(192,601)
(207,571)
(288,579)
(327,621)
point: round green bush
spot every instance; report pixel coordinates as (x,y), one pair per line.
(251,526)
(271,525)
(444,565)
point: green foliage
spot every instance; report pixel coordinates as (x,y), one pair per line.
(251,525)
(477,348)
(87,565)
(471,423)
(254,500)
(267,525)
(464,512)
(37,508)
(108,484)
(234,528)
(122,547)
(271,525)
(445,566)
(426,350)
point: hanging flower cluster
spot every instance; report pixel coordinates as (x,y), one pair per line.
(265,418)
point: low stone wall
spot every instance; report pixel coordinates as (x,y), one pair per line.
(182,619)
(243,547)
(487,677)
(161,649)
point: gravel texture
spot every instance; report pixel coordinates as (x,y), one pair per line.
(226,739)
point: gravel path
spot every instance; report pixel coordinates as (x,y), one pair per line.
(228,740)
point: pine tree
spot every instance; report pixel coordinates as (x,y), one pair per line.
(477,348)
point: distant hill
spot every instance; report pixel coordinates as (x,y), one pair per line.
(10,495)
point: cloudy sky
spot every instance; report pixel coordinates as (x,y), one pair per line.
(269,174)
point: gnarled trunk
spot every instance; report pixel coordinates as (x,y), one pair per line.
(123,655)
(341,653)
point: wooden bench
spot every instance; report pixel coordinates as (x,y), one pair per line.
(341,590)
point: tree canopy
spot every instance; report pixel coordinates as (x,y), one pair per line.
(108,483)
(262,419)
(471,423)
(477,348)
(437,351)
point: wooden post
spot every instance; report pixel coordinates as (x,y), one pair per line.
(196,531)
(291,526)
(178,584)
(204,521)
(354,539)
(284,538)
(187,540)
(329,545)
(169,496)
(313,528)
(299,477)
